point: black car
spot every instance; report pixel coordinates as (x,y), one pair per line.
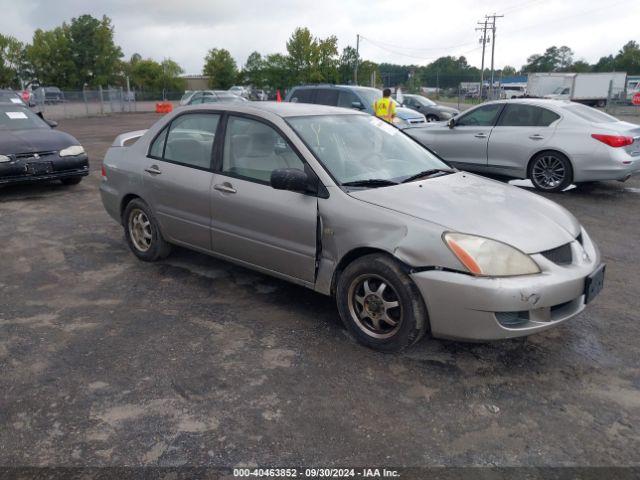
(30,150)
(48,95)
(429,108)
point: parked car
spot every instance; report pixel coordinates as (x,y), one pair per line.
(30,150)
(48,95)
(513,91)
(345,204)
(347,96)
(430,109)
(210,96)
(240,91)
(10,96)
(553,143)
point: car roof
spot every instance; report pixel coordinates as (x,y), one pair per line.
(281,109)
(330,85)
(540,102)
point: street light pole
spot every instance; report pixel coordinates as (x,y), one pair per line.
(355,73)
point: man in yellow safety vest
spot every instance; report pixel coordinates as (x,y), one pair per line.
(385,108)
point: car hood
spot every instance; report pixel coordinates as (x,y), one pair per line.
(405,113)
(467,203)
(36,140)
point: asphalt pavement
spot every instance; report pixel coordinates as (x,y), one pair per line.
(107,360)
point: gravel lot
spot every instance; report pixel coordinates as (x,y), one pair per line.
(107,360)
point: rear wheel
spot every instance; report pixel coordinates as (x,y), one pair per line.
(71,180)
(143,233)
(550,172)
(380,305)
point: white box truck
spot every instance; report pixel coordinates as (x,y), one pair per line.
(592,88)
(542,84)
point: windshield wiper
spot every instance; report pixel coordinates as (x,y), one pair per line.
(427,173)
(370,182)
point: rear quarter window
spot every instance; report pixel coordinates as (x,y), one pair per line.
(303,95)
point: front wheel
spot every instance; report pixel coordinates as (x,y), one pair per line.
(143,233)
(550,172)
(432,118)
(380,305)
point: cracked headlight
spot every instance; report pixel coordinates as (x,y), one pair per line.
(72,151)
(485,257)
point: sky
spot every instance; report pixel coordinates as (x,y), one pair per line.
(404,32)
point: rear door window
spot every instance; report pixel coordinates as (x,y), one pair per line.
(303,95)
(190,139)
(515,115)
(327,96)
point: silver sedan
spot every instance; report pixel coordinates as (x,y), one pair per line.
(553,143)
(343,203)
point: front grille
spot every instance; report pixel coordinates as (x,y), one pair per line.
(560,255)
(416,120)
(33,155)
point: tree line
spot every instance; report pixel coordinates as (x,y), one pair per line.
(82,53)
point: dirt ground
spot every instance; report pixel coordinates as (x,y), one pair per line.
(107,360)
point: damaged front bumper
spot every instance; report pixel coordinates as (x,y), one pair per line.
(465,307)
(50,167)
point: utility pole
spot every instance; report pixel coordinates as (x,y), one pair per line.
(355,73)
(483,40)
(493,42)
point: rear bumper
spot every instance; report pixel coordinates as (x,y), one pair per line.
(464,307)
(617,165)
(59,167)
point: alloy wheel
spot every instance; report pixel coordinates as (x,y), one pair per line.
(375,306)
(140,230)
(548,172)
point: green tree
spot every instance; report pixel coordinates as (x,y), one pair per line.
(276,72)
(325,60)
(12,61)
(347,64)
(554,59)
(366,71)
(221,68)
(50,57)
(508,71)
(605,64)
(146,75)
(93,50)
(628,58)
(580,66)
(300,47)
(253,71)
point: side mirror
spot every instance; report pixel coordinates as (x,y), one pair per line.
(357,105)
(51,123)
(451,123)
(292,179)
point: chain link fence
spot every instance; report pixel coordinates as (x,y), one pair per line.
(61,104)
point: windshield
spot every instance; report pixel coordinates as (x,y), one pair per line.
(370,95)
(424,101)
(16,118)
(362,147)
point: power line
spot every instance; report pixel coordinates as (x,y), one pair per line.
(395,52)
(419,49)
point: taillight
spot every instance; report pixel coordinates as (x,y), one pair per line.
(104,172)
(614,141)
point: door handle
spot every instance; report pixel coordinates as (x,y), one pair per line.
(537,136)
(225,187)
(480,135)
(153,170)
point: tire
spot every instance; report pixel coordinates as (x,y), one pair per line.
(71,180)
(361,304)
(432,118)
(142,232)
(601,103)
(550,171)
